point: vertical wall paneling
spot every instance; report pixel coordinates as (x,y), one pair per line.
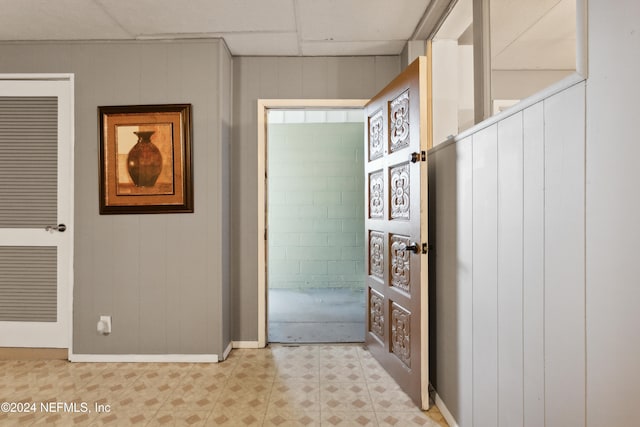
(510,182)
(153,284)
(533,274)
(464,267)
(226,108)
(451,224)
(125,286)
(442,188)
(510,323)
(315,70)
(564,116)
(158,276)
(613,207)
(485,292)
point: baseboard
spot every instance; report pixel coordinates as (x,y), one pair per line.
(145,358)
(445,412)
(246,344)
(24,353)
(227,350)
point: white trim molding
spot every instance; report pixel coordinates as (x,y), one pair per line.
(445,412)
(226,351)
(38,76)
(145,358)
(247,344)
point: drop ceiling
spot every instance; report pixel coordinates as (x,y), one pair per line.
(249,27)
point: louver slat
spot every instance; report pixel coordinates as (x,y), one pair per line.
(28,288)
(28,161)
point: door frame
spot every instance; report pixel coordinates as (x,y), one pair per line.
(263,106)
(66,130)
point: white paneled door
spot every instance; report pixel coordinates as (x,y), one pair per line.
(36,210)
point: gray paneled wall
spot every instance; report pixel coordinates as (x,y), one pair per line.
(279,77)
(226,110)
(160,276)
(507,209)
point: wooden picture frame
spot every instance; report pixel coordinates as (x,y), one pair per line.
(145,159)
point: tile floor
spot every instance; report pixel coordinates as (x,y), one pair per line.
(312,385)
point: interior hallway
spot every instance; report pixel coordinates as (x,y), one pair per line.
(311,385)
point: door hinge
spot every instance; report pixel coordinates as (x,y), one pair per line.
(418,157)
(265,234)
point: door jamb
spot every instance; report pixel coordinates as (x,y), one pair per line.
(263,106)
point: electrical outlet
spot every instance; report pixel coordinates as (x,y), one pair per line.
(104,325)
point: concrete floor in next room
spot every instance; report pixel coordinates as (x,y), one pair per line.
(315,315)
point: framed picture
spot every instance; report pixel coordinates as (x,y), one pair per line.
(145,159)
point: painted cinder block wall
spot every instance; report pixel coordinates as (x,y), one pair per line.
(315,205)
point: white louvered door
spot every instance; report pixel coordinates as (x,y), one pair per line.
(36,191)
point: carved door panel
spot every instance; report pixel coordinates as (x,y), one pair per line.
(397,135)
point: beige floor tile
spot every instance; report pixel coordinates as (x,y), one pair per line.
(118,418)
(345,397)
(388,397)
(310,385)
(179,418)
(295,390)
(59,420)
(279,418)
(200,396)
(348,419)
(374,372)
(236,417)
(341,371)
(405,419)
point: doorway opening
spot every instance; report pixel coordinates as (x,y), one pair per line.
(315,225)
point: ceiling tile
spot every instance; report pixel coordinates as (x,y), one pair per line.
(262,44)
(359,20)
(393,47)
(57,20)
(153,17)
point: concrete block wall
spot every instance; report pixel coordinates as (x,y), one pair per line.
(315,205)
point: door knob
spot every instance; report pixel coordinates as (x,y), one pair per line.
(413,248)
(59,227)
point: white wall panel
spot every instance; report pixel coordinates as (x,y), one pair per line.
(510,314)
(510,181)
(464,269)
(564,120)
(613,208)
(450,334)
(485,277)
(533,267)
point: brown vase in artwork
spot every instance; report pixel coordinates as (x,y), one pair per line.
(144,161)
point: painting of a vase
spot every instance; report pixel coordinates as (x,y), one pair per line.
(144,161)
